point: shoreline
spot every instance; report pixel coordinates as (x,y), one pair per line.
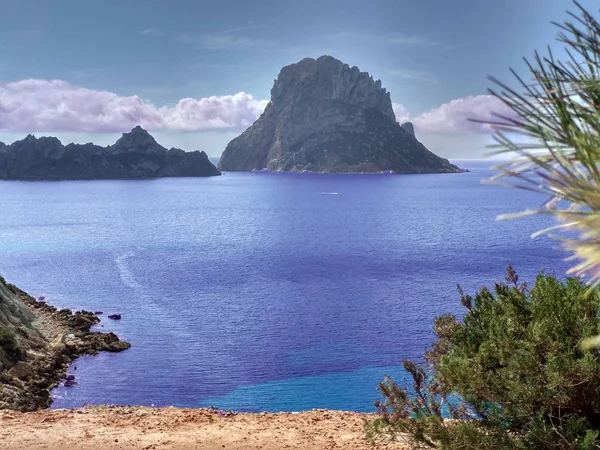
(50,339)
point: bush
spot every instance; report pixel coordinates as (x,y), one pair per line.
(9,344)
(512,373)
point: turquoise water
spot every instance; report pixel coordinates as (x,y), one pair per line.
(347,391)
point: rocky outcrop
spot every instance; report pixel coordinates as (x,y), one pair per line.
(325,116)
(135,155)
(408,126)
(37,342)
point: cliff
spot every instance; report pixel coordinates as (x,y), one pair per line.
(37,342)
(325,116)
(135,155)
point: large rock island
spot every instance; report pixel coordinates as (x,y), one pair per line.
(325,116)
(135,155)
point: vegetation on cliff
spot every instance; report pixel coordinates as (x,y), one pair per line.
(9,344)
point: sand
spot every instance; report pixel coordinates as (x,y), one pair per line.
(105,427)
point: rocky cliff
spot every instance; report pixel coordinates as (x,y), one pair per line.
(37,342)
(135,155)
(326,116)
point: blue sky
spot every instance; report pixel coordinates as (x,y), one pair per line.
(427,54)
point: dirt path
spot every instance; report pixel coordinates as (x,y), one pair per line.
(103,428)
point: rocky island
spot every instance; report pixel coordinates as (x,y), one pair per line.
(135,155)
(325,116)
(37,342)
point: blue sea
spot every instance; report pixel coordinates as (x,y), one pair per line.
(263,291)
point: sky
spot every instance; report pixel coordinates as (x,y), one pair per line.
(197,73)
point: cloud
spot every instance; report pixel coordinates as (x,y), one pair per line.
(456,116)
(152,32)
(402,114)
(416,40)
(55,106)
(409,74)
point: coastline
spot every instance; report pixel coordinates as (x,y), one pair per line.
(50,340)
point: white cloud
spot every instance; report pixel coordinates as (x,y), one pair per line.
(457,115)
(43,105)
(402,114)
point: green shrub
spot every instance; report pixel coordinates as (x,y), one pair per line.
(12,288)
(512,373)
(9,344)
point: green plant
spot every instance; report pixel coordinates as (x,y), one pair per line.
(9,344)
(511,374)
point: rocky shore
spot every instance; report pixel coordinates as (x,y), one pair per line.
(37,343)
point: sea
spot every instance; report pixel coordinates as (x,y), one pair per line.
(264,291)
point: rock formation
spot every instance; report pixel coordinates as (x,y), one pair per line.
(37,342)
(408,126)
(327,117)
(135,155)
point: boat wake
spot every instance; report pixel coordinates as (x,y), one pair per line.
(125,272)
(144,301)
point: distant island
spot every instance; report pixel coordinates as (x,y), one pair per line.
(135,155)
(325,116)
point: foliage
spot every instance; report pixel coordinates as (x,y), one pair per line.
(554,131)
(9,344)
(12,288)
(510,375)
